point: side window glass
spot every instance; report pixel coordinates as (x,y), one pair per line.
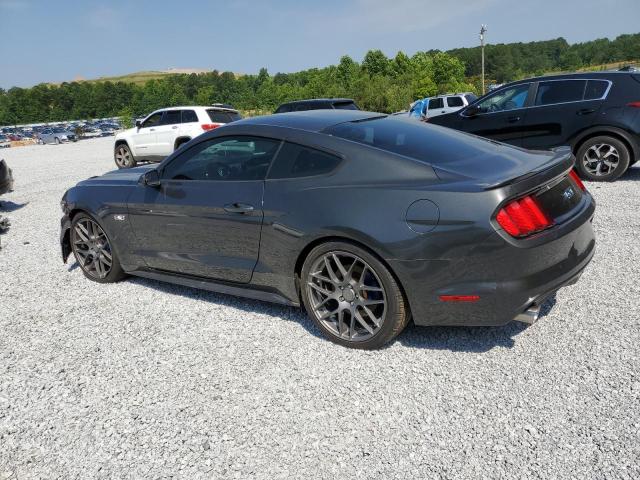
(455,101)
(436,103)
(171,117)
(189,116)
(507,99)
(298,161)
(595,89)
(153,120)
(225,158)
(560,91)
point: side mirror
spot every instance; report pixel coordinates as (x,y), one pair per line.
(472,111)
(152,178)
(138,124)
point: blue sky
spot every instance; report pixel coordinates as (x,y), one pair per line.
(57,40)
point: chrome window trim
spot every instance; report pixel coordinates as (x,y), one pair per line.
(603,97)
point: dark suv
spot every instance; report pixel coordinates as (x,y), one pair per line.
(597,114)
(318,104)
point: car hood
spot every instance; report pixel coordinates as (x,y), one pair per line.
(126,176)
(124,133)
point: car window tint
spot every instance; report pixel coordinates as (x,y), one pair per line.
(559,91)
(189,116)
(470,97)
(234,116)
(153,120)
(436,103)
(595,89)
(283,109)
(506,99)
(172,117)
(455,102)
(417,140)
(300,161)
(345,106)
(218,117)
(226,158)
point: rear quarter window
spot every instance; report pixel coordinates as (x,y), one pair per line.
(560,91)
(455,102)
(595,89)
(294,161)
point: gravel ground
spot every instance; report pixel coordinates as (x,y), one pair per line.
(146,380)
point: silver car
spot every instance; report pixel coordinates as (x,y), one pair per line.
(56,135)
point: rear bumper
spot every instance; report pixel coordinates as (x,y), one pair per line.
(510,278)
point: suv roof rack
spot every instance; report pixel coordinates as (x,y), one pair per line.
(223,105)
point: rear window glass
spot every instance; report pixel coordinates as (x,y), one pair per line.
(171,117)
(189,116)
(595,89)
(559,91)
(413,139)
(345,106)
(234,116)
(455,101)
(299,161)
(218,117)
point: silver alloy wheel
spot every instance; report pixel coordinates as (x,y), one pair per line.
(601,159)
(123,156)
(346,296)
(91,248)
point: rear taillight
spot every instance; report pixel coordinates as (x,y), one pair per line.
(209,126)
(634,104)
(523,217)
(574,176)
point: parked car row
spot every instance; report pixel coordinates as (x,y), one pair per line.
(60,132)
(439,105)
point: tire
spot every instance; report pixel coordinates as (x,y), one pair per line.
(381,312)
(602,159)
(57,140)
(92,248)
(123,157)
(181,143)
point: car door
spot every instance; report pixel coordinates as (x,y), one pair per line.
(499,116)
(435,107)
(560,110)
(167,132)
(145,139)
(205,217)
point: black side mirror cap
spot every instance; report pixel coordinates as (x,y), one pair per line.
(138,123)
(472,111)
(151,178)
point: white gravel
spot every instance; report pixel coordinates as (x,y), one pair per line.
(148,380)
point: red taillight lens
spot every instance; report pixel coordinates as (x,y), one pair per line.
(523,217)
(574,176)
(209,126)
(459,298)
(634,104)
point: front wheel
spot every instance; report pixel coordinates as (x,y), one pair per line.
(351,296)
(93,250)
(57,140)
(602,159)
(123,156)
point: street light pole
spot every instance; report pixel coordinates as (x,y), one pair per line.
(483,30)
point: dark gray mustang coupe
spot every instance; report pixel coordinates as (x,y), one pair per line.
(367,220)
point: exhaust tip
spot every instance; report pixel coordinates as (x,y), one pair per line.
(529,316)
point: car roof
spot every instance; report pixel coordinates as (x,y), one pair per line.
(320,100)
(310,120)
(603,75)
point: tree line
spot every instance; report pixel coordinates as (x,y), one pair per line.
(378,83)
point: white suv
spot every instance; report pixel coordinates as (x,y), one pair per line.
(441,104)
(165,130)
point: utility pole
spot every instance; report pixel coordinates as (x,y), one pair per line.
(483,30)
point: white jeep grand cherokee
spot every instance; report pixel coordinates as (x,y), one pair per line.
(165,130)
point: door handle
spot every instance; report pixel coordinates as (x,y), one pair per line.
(152,129)
(238,208)
(513,119)
(174,127)
(585,111)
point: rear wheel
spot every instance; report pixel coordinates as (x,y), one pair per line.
(123,156)
(602,159)
(57,140)
(93,250)
(351,296)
